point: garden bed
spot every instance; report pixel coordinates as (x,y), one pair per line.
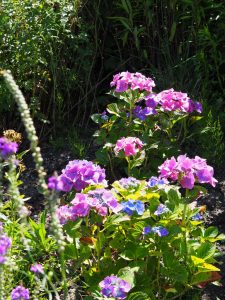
(214,201)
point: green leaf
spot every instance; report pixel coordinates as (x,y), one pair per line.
(138,296)
(128,274)
(211,232)
(208,267)
(70,252)
(113,108)
(200,277)
(177,272)
(72,227)
(96,118)
(174,196)
(115,220)
(202,265)
(137,160)
(206,251)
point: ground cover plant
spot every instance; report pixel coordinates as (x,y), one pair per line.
(123,238)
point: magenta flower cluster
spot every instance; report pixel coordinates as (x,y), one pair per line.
(20,293)
(170,100)
(113,286)
(187,171)
(78,174)
(7,147)
(101,200)
(130,145)
(5,244)
(134,81)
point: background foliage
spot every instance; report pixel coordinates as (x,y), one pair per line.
(64,53)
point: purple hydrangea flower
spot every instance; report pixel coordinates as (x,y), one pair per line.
(37,269)
(143,113)
(64,214)
(161,210)
(20,293)
(5,244)
(7,147)
(78,174)
(113,286)
(151,102)
(102,198)
(130,207)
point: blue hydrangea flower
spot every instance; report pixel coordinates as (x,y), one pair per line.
(161,231)
(130,207)
(146,230)
(161,210)
(197,217)
(156,181)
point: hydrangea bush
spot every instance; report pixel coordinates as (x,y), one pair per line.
(159,120)
(97,239)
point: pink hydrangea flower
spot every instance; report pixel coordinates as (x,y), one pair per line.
(130,146)
(188,171)
(134,81)
(100,200)
(171,100)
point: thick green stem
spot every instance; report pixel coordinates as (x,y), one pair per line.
(184,222)
(129,167)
